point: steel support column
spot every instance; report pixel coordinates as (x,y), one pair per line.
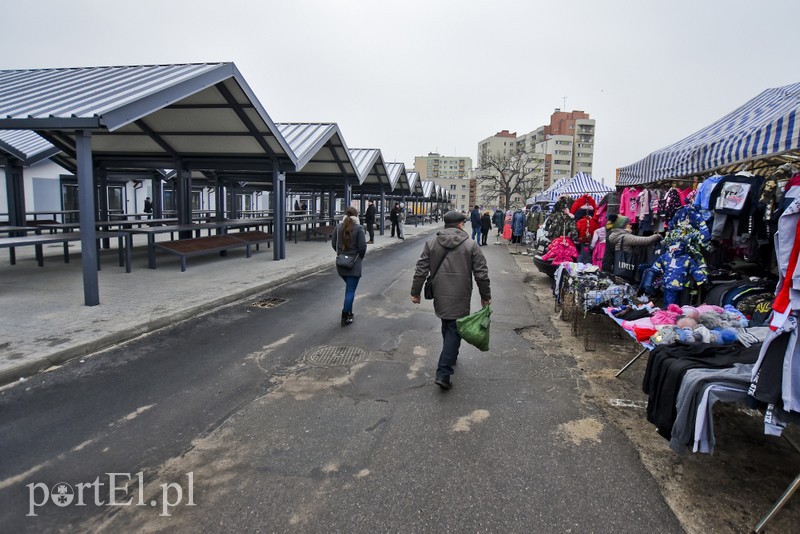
(158,196)
(383,211)
(15,192)
(86,196)
(279,212)
(183,181)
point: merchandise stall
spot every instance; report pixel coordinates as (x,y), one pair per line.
(715,305)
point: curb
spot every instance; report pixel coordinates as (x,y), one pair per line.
(36,365)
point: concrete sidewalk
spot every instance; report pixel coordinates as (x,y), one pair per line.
(44,322)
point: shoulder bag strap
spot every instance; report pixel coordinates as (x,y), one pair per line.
(433,273)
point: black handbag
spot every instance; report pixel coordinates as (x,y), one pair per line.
(624,262)
(345,261)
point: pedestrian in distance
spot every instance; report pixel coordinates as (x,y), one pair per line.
(393,219)
(452,260)
(369,220)
(348,238)
(497,220)
(148,207)
(401,221)
(486,225)
(475,220)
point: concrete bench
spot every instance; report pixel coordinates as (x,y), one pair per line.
(185,248)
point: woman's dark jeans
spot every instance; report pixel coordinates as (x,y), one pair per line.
(350,285)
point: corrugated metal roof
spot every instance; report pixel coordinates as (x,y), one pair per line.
(86,92)
(147,116)
(370,166)
(315,144)
(428,188)
(395,170)
(25,145)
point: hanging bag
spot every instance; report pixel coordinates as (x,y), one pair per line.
(624,262)
(474,329)
(427,289)
(343,260)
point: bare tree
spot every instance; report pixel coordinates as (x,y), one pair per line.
(506,175)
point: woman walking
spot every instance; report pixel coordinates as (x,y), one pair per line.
(349,239)
(486,225)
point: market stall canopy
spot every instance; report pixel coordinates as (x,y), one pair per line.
(583,184)
(204,115)
(398,178)
(322,155)
(372,174)
(414,183)
(764,132)
(429,189)
(580,184)
(544,196)
(27,147)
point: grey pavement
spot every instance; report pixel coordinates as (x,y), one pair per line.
(44,322)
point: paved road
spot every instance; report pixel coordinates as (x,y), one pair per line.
(277,419)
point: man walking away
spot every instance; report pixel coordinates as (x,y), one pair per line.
(475,220)
(452,259)
(369,219)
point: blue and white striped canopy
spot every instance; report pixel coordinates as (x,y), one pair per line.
(765,126)
(580,184)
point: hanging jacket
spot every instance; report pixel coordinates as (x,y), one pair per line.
(561,250)
(518,223)
(497,219)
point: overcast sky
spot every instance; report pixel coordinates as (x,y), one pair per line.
(418,76)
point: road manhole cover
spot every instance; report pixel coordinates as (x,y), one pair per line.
(332,356)
(269,302)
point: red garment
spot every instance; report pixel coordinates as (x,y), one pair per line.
(586,227)
(560,250)
(781,302)
(582,202)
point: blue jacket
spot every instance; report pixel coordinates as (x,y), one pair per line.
(475,218)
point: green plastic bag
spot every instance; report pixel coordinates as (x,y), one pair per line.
(474,329)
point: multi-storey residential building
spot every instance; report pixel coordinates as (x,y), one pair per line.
(451,172)
(435,166)
(462,191)
(565,146)
(560,149)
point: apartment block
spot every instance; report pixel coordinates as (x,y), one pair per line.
(434,166)
(560,149)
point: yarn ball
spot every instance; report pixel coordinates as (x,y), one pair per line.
(704,308)
(685,334)
(690,311)
(664,317)
(686,322)
(675,309)
(712,320)
(727,335)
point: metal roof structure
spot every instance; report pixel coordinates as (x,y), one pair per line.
(322,154)
(204,116)
(372,173)
(429,189)
(763,132)
(414,183)
(26,146)
(398,178)
(191,117)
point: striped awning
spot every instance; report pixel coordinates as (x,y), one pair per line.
(580,184)
(763,132)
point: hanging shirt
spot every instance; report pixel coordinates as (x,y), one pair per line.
(704,191)
(737,194)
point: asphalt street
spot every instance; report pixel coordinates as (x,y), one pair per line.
(267,415)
